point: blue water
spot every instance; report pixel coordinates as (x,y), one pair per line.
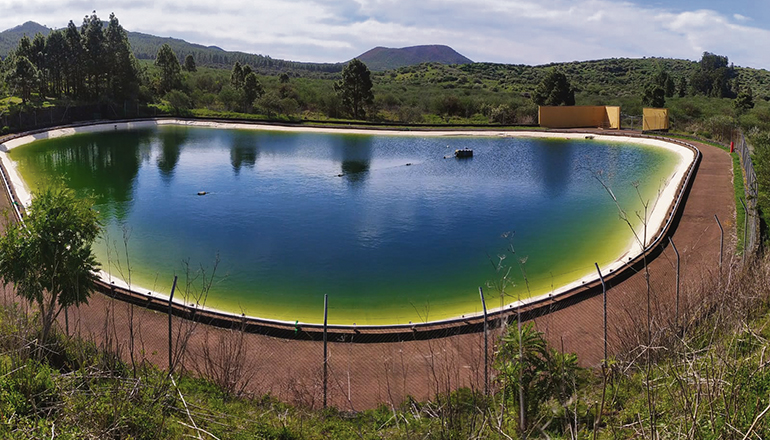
(386,226)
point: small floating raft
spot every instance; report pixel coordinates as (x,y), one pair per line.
(464,152)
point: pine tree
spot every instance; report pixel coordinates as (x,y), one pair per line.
(123,80)
(355,88)
(170,71)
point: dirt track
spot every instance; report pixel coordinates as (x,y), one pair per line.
(365,375)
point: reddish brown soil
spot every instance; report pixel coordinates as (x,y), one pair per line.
(364,375)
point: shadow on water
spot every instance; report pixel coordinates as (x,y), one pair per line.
(171,140)
(244,152)
(555,166)
(355,156)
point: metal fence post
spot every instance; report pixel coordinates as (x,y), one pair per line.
(604,299)
(486,345)
(670,240)
(170,299)
(326,357)
(721,241)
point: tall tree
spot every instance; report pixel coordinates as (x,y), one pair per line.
(56,52)
(49,258)
(38,58)
(682,88)
(554,89)
(189,63)
(252,90)
(355,88)
(170,71)
(94,43)
(123,79)
(23,77)
(24,48)
(236,76)
(75,59)
(663,80)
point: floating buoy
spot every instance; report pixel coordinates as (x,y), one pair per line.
(464,152)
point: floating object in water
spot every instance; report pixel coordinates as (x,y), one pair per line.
(464,152)
(409,164)
(202,193)
(589,137)
(340,175)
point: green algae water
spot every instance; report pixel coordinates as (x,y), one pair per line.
(392,228)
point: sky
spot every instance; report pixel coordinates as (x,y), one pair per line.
(502,31)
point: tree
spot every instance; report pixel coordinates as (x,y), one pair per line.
(713,77)
(270,103)
(123,77)
(654,96)
(48,258)
(74,58)
(252,89)
(228,97)
(94,43)
(682,88)
(170,71)
(178,100)
(23,77)
(745,101)
(555,89)
(664,81)
(189,63)
(236,76)
(56,52)
(355,88)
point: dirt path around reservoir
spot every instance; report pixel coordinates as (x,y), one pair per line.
(364,375)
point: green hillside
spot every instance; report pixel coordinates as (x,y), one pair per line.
(9,39)
(610,81)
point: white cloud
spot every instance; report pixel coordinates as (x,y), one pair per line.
(508,31)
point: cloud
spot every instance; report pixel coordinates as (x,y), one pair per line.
(740,17)
(506,31)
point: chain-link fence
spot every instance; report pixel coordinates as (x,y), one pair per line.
(356,369)
(751,229)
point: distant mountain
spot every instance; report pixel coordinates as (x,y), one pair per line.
(383,58)
(9,39)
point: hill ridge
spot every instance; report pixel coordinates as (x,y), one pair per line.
(384,58)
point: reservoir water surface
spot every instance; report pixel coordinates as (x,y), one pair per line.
(392,228)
